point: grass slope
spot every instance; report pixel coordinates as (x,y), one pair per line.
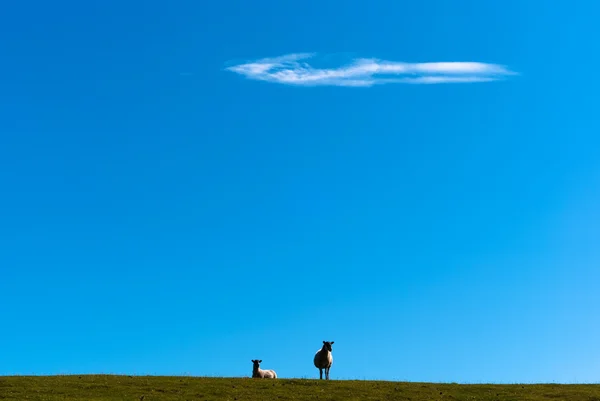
(108,387)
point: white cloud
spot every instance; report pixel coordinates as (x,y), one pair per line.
(293,69)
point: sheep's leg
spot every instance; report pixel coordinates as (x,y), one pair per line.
(320,373)
(326,373)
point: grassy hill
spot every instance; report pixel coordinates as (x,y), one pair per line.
(151,388)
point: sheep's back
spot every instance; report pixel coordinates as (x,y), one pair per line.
(264,374)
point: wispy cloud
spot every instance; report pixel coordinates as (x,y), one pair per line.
(294,69)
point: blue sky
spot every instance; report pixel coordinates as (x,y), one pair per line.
(163,213)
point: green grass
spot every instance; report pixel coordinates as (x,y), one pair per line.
(108,387)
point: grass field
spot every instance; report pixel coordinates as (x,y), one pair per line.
(151,388)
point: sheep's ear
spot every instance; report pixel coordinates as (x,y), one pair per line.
(332,342)
(252,361)
(260,361)
(323,342)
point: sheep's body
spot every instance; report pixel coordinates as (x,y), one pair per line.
(264,374)
(259,373)
(324,359)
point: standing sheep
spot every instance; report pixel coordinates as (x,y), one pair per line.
(262,374)
(324,359)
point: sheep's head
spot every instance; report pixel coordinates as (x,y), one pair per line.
(256,362)
(327,345)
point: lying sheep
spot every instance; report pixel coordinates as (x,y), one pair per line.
(262,374)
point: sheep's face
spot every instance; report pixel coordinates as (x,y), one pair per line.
(256,362)
(327,345)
